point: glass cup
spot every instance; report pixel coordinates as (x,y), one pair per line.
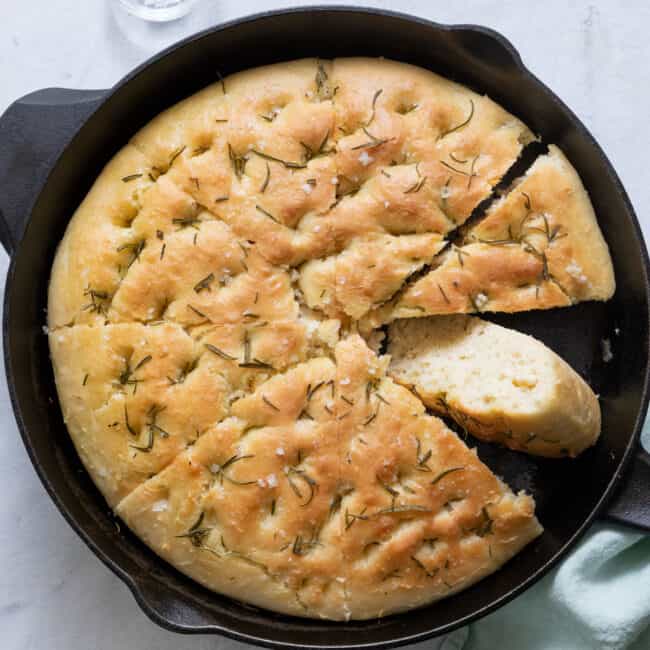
(156,10)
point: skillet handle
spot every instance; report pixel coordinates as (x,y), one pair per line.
(630,504)
(34,131)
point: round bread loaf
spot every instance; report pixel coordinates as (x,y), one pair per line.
(204,310)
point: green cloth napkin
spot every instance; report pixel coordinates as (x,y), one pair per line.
(597,599)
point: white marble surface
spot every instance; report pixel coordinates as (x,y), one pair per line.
(54,594)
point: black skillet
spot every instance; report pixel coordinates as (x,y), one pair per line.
(54,142)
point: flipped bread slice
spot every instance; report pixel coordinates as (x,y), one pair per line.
(499,384)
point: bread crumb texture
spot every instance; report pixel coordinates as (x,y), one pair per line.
(204,313)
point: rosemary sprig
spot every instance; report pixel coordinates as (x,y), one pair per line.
(238,162)
(196,532)
(130,177)
(219,471)
(267,178)
(417,186)
(176,154)
(129,428)
(462,124)
(98,301)
(204,284)
(270,404)
(266,213)
(310,153)
(220,353)
(485,525)
(186,222)
(289,164)
(351,518)
(420,565)
(302,547)
(422,459)
(453,169)
(443,294)
(446,472)
(135,247)
(222,81)
(301,474)
(402,509)
(372,143)
(374,103)
(323,88)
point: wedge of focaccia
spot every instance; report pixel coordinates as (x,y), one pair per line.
(330,492)
(538,247)
(497,383)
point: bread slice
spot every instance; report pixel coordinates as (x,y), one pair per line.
(537,247)
(499,384)
(422,517)
(329,492)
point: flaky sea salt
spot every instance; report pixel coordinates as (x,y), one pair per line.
(365,159)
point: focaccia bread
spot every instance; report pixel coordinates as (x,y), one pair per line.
(204,309)
(497,383)
(330,492)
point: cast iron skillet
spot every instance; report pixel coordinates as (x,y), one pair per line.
(53,144)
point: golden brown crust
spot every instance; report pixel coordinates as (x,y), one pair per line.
(196,306)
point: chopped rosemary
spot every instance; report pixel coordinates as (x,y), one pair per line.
(453,169)
(162,251)
(196,534)
(351,518)
(219,471)
(220,353)
(446,472)
(287,163)
(266,213)
(269,403)
(462,124)
(421,566)
(204,284)
(222,81)
(98,301)
(256,364)
(323,89)
(406,508)
(485,526)
(176,154)
(129,428)
(301,474)
(220,199)
(185,222)
(420,458)
(302,547)
(373,142)
(135,247)
(130,177)
(444,295)
(238,162)
(374,103)
(266,178)
(198,312)
(85,380)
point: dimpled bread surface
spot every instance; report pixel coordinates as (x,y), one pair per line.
(204,313)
